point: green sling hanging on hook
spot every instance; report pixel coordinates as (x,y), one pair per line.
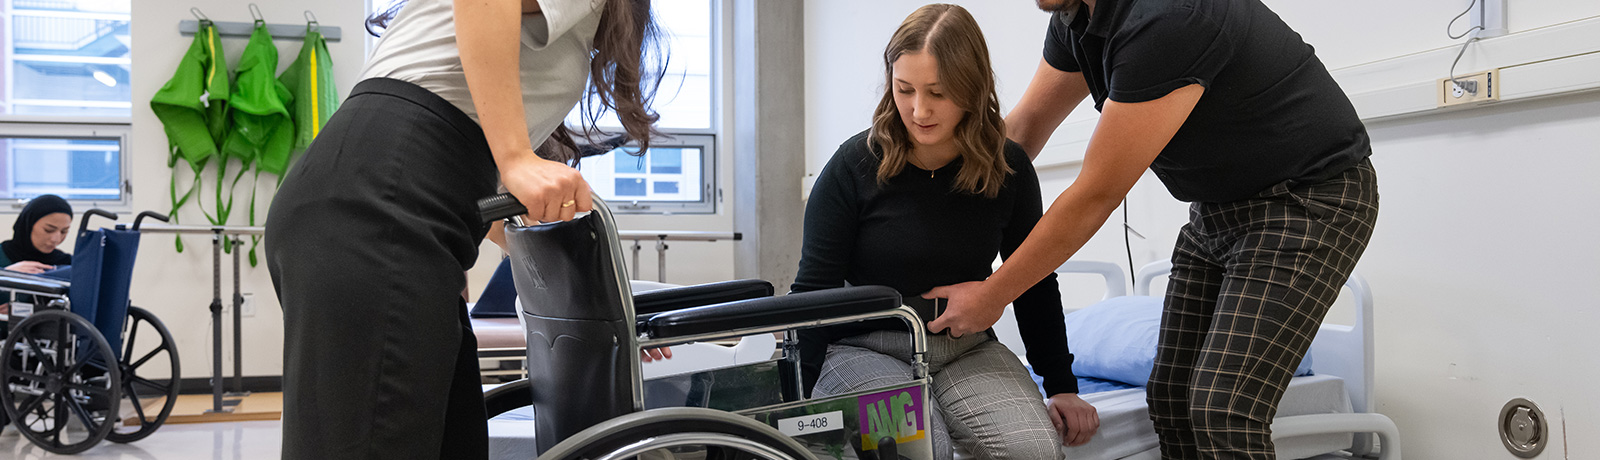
(193,109)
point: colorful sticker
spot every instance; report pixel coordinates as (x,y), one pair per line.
(896,414)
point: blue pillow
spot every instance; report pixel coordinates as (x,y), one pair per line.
(1115,339)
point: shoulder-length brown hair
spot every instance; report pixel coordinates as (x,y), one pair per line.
(624,73)
(952,37)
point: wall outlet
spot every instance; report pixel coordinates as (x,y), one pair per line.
(248,307)
(1474,88)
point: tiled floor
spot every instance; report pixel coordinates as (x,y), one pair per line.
(211,441)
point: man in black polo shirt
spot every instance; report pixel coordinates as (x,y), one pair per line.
(1235,114)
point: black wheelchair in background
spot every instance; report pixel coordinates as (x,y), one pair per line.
(79,362)
(585,328)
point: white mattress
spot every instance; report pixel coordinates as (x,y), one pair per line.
(1126,429)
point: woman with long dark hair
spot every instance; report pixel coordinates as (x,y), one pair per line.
(370,234)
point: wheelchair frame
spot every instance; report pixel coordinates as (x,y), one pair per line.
(54,356)
(610,420)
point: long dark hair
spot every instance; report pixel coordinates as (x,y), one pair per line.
(952,36)
(625,70)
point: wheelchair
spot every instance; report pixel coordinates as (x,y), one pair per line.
(79,362)
(585,328)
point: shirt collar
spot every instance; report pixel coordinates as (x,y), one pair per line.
(1102,22)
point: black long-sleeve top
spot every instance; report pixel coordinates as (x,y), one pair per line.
(916,233)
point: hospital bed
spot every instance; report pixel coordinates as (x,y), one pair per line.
(1328,411)
(502,344)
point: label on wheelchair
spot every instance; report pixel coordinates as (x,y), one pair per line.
(21,310)
(883,424)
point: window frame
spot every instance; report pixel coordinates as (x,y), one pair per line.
(119,128)
(707,204)
(108,128)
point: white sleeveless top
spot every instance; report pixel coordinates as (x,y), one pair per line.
(420,47)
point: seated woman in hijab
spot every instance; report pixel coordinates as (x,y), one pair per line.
(38,231)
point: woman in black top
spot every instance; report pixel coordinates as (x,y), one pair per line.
(932,205)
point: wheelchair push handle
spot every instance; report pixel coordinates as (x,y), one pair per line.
(499,207)
(151,214)
(84,224)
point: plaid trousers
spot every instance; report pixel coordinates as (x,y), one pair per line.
(1251,281)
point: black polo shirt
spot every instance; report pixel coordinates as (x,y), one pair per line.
(1270,113)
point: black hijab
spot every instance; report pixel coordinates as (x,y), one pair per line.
(20,246)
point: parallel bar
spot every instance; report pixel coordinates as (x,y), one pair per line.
(226,230)
(243,29)
(216,323)
(238,329)
(674,235)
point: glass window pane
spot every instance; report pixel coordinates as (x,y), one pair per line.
(666,161)
(75,169)
(628,164)
(630,187)
(666,187)
(684,96)
(67,57)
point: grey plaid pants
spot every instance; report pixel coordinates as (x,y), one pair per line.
(1251,281)
(983,397)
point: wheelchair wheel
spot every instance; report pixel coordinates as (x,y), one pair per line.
(508,396)
(59,387)
(147,398)
(720,434)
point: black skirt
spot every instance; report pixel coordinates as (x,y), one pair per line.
(367,242)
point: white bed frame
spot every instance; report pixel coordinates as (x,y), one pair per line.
(1340,350)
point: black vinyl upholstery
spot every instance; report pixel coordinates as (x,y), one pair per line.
(772,311)
(665,300)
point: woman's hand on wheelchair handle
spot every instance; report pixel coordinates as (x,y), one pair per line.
(551,191)
(1074,418)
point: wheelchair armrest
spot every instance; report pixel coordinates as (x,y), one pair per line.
(15,281)
(665,300)
(773,311)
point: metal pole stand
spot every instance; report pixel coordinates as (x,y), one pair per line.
(218,405)
(238,329)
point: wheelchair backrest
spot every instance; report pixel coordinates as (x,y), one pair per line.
(577,309)
(102,272)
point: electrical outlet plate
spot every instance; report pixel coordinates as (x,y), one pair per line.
(1477,88)
(248,307)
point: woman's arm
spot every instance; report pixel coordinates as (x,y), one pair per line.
(1041,321)
(488,35)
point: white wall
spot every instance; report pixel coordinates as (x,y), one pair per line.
(1481,262)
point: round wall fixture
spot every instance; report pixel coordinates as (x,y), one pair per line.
(1523,428)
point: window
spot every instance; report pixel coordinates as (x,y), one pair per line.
(678,174)
(669,178)
(65,100)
